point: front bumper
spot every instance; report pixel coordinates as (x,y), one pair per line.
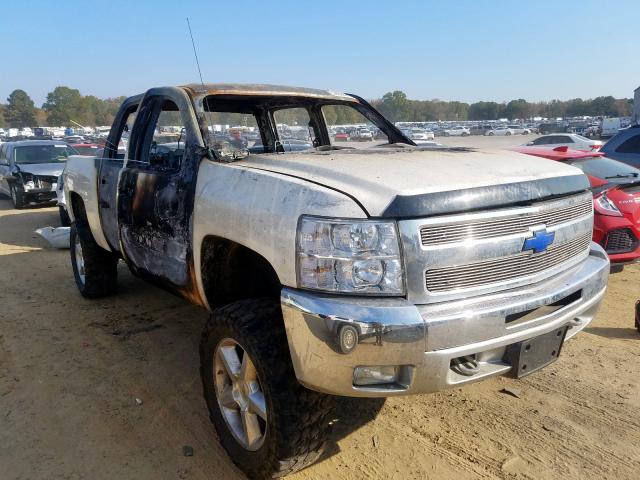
(424,339)
(39,196)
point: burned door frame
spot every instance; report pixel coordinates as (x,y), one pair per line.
(109,174)
(155,203)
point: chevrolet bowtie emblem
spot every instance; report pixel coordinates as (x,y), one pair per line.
(539,242)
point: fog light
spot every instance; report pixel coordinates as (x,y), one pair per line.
(376,375)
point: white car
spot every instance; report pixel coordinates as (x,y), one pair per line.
(362,135)
(508,130)
(571,140)
(419,134)
(458,131)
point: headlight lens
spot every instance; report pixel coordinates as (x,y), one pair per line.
(349,256)
(604,206)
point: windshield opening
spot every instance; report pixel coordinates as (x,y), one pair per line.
(30,154)
(237,125)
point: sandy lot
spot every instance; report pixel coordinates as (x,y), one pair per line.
(71,371)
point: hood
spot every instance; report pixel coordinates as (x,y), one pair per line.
(44,169)
(421,182)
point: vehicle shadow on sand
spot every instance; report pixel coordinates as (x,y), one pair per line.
(612,332)
(350,414)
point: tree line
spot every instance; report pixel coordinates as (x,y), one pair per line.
(62,107)
(397,107)
(65,105)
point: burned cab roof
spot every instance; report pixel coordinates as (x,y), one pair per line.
(224,89)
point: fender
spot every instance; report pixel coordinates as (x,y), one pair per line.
(81,177)
(241,204)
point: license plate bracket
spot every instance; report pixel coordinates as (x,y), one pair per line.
(535,353)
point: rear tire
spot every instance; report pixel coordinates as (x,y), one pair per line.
(288,432)
(17,197)
(95,269)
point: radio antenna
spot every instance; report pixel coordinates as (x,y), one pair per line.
(204,89)
(195,53)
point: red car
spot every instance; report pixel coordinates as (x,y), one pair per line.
(616,199)
(87,149)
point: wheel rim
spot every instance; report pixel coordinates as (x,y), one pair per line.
(14,198)
(79,260)
(240,395)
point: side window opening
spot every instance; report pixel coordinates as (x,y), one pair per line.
(162,144)
(117,147)
(295,129)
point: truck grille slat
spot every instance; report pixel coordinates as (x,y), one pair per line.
(504,268)
(498,227)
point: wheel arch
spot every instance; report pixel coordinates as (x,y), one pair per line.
(230,271)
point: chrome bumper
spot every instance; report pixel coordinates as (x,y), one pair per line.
(423,339)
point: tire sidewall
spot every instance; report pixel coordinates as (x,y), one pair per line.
(73,236)
(247,459)
(16,197)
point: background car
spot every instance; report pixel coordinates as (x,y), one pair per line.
(625,146)
(362,135)
(419,134)
(29,170)
(457,131)
(569,140)
(87,149)
(616,199)
(508,130)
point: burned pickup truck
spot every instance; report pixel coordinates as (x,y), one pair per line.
(384,269)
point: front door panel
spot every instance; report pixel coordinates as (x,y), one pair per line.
(156,196)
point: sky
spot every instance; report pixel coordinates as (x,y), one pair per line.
(451,50)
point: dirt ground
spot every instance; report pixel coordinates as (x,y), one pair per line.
(109,389)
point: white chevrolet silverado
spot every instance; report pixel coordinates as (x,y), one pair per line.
(368,271)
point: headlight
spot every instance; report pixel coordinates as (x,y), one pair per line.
(349,256)
(604,206)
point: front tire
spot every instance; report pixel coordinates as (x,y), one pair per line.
(17,196)
(95,269)
(268,423)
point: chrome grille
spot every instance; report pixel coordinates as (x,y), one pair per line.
(504,268)
(508,225)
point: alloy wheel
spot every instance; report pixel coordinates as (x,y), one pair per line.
(79,260)
(240,395)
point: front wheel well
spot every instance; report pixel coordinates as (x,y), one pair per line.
(232,272)
(77,207)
